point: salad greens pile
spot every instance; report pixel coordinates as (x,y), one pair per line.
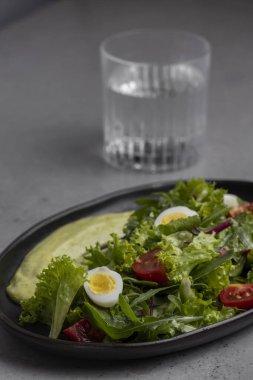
(201,255)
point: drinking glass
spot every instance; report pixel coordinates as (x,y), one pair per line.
(155,99)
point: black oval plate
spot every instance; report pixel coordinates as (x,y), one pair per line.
(118,201)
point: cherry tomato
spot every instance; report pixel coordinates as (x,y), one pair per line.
(238,295)
(246,207)
(148,267)
(83,331)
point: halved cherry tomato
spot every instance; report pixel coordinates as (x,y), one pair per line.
(148,267)
(246,207)
(83,331)
(238,295)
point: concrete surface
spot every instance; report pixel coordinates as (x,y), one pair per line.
(51,136)
(11,10)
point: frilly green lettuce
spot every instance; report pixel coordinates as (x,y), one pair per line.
(56,288)
(180,262)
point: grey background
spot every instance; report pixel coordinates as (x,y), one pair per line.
(51,138)
(11,10)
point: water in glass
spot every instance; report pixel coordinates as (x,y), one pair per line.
(154,117)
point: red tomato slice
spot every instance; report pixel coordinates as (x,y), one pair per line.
(246,207)
(83,331)
(238,295)
(148,267)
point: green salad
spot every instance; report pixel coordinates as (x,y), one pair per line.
(185,261)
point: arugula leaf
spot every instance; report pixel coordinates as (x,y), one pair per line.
(237,268)
(216,215)
(175,304)
(147,295)
(185,290)
(212,265)
(139,282)
(123,332)
(56,288)
(183,224)
(127,310)
(240,235)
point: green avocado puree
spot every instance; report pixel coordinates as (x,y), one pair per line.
(70,240)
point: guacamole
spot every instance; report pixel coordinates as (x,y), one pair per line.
(69,240)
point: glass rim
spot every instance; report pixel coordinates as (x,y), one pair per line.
(116,59)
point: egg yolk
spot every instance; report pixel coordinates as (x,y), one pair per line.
(102,283)
(168,218)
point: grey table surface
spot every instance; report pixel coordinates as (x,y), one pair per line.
(51,138)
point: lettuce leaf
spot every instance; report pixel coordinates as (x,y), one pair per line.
(194,303)
(180,262)
(56,288)
(210,314)
(119,255)
(218,278)
(197,194)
